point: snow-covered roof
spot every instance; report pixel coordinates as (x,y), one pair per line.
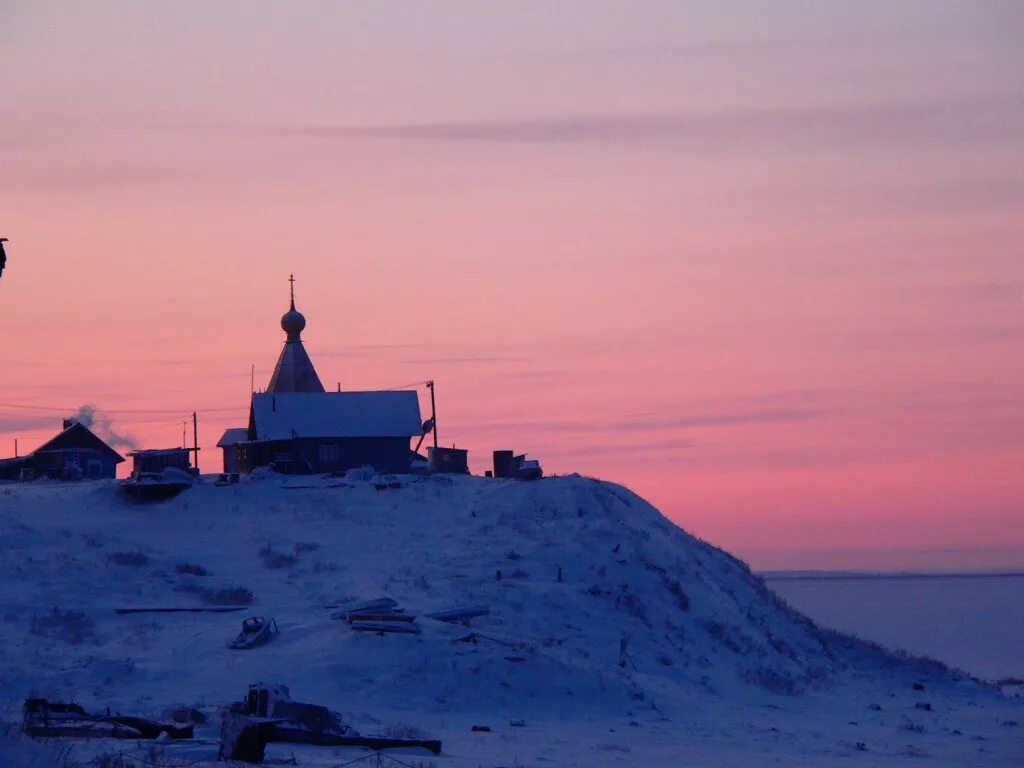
(282,416)
(77,436)
(233,436)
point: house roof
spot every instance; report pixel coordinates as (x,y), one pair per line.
(78,436)
(282,416)
(233,436)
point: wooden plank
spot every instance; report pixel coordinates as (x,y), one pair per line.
(220,609)
(393,627)
(380,617)
(459,614)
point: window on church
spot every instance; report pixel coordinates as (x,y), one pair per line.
(328,452)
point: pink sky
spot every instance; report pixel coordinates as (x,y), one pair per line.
(764,269)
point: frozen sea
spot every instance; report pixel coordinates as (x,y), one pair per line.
(972,621)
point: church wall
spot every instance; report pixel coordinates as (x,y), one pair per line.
(303,456)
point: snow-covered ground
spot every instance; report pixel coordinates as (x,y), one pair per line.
(718,670)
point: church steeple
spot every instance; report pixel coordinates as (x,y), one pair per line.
(294,371)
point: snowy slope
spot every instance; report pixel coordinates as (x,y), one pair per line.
(718,670)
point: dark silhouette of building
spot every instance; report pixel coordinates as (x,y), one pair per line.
(298,428)
(74,454)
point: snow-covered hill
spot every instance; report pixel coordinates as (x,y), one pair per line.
(716,670)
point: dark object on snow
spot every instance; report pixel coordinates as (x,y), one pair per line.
(243,738)
(918,686)
(923,705)
(459,615)
(529,469)
(158,486)
(481,729)
(378,605)
(268,714)
(186,715)
(3,255)
(387,627)
(224,609)
(46,719)
(381,616)
(256,631)
(507,464)
(454,461)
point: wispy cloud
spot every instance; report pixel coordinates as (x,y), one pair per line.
(649,422)
(868,123)
(468,359)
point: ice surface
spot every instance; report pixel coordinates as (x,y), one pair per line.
(971,621)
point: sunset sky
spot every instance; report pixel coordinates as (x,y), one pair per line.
(765,267)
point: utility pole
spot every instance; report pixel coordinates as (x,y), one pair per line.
(195,441)
(15,447)
(433,409)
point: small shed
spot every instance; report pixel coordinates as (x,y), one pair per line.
(229,443)
(156,460)
(452,460)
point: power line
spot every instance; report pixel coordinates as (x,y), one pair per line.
(144,411)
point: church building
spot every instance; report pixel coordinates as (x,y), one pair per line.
(296,427)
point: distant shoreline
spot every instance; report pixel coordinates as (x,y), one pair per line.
(904,575)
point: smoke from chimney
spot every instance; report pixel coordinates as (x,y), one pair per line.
(102,426)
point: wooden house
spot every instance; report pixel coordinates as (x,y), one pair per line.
(296,427)
(74,454)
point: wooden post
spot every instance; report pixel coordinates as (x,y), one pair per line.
(433,410)
(195,442)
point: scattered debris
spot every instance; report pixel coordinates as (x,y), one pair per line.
(219,609)
(379,605)
(158,486)
(46,719)
(383,482)
(481,729)
(380,616)
(387,627)
(459,615)
(918,686)
(268,714)
(181,714)
(517,723)
(256,631)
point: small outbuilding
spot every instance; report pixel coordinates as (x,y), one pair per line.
(229,443)
(156,460)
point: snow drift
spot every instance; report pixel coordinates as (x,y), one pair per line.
(610,629)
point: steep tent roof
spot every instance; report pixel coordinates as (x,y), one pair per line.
(277,416)
(78,436)
(294,371)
